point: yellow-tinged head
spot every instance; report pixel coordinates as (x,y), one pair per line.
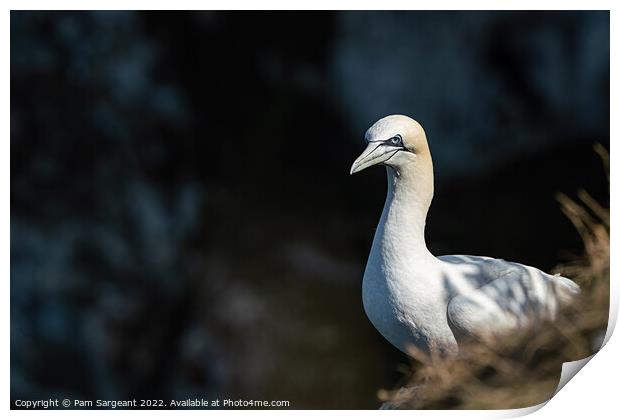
(396,141)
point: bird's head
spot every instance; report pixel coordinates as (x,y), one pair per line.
(396,141)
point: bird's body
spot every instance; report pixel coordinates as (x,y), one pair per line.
(413,297)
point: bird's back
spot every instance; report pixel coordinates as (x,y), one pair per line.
(493,296)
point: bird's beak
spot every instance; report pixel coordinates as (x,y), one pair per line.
(374,154)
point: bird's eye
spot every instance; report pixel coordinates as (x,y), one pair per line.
(397,140)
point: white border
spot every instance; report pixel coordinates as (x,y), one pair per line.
(309,5)
(593,394)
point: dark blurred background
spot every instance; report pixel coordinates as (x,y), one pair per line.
(182,219)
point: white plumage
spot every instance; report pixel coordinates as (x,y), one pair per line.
(413,297)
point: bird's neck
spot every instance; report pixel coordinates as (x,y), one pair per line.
(403,220)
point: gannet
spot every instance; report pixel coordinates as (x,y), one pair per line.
(434,303)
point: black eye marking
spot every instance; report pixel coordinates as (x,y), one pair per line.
(397,140)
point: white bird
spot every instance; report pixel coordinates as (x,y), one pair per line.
(413,297)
